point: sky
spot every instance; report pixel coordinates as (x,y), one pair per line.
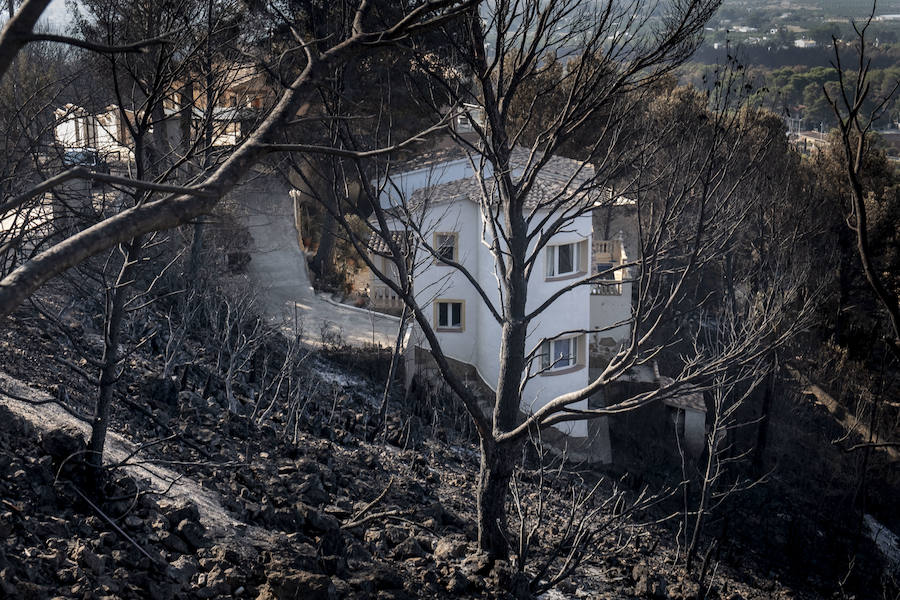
(57,14)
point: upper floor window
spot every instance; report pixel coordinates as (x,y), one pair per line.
(566,259)
(450,315)
(561,353)
(446,246)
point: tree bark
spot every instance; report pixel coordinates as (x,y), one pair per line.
(314,184)
(196,254)
(117,298)
(108,372)
(762,430)
(497,462)
(395,359)
(323,261)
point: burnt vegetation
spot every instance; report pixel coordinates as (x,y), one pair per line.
(168,430)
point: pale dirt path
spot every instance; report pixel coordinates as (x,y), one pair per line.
(278,268)
(45,417)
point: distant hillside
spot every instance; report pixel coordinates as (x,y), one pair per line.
(828,8)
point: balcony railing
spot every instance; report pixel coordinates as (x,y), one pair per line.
(606,288)
(384,297)
(605,247)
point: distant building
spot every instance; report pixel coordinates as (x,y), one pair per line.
(804,43)
(102,130)
(241,95)
(810,142)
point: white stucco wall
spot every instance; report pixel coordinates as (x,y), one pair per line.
(65,133)
(440,282)
(608,310)
(104,129)
(479,343)
(571,311)
(694,431)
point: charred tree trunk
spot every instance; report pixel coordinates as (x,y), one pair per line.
(498,459)
(392,370)
(196,253)
(762,431)
(110,361)
(497,463)
(115,313)
(313,183)
(208,134)
(323,262)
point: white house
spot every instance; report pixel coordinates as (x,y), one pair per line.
(103,130)
(583,325)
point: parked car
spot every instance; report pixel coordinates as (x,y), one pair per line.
(85,157)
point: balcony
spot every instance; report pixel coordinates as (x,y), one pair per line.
(384,298)
(608,251)
(606,288)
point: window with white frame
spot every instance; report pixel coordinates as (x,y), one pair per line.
(561,353)
(449,315)
(446,246)
(562,259)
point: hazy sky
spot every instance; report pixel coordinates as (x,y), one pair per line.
(57,14)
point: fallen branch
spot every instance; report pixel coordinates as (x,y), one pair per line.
(118,529)
(373,517)
(358,519)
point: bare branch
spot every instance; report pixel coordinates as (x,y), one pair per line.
(140,46)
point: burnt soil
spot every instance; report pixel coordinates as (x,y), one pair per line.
(314,506)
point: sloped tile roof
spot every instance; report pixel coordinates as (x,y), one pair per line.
(559,179)
(378,244)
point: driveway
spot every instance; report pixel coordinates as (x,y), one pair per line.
(278,267)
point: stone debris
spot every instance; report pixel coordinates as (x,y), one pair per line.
(296,489)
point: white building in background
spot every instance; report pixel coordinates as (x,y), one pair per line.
(804,43)
(583,327)
(107,133)
(104,130)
